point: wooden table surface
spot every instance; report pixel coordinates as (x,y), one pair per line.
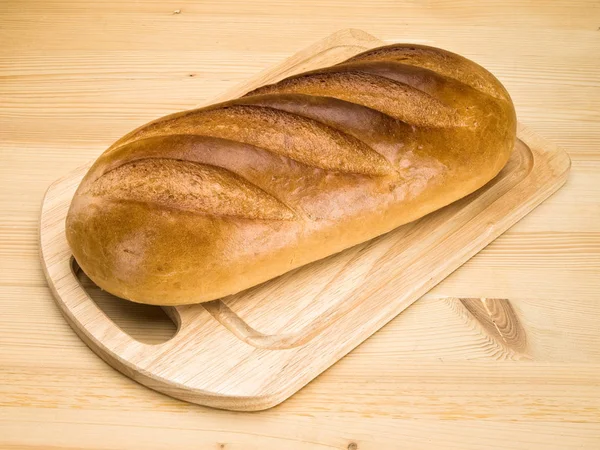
(75,76)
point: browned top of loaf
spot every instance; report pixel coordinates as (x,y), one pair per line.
(342,148)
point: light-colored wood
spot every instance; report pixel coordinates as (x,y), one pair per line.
(269,341)
(76,76)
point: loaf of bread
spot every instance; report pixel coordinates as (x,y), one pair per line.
(205,203)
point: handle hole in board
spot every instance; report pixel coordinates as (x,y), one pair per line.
(145,323)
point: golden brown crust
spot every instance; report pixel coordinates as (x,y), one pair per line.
(205,203)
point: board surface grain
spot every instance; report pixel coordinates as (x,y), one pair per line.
(252,350)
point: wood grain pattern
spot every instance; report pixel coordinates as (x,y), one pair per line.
(77,75)
(326,308)
(496,318)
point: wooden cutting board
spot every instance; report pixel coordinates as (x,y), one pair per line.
(253,350)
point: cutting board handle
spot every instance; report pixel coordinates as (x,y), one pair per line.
(92,325)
